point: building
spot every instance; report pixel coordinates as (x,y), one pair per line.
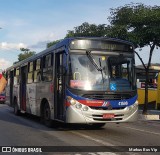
(153,82)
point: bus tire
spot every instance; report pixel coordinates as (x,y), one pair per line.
(47,115)
(16,110)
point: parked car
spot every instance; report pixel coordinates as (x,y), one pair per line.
(2,97)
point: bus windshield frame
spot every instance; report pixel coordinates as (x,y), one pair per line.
(113,72)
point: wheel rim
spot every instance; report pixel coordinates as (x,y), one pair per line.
(47,114)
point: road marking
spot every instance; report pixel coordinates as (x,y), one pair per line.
(92,139)
(155,133)
(102,153)
(98,153)
(103,143)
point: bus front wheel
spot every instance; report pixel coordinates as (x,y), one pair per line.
(47,115)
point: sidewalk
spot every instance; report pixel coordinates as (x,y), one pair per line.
(152,115)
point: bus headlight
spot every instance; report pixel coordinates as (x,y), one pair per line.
(130,108)
(133,106)
(71,100)
(85,108)
(78,106)
(136,103)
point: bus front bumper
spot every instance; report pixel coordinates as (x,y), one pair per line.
(75,115)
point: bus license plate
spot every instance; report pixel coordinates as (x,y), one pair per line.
(105,116)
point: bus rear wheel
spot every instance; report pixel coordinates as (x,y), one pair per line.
(16,110)
(47,115)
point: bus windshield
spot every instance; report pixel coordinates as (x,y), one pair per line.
(101,72)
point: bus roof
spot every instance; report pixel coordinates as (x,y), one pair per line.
(66,42)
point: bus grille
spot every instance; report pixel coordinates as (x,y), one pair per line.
(106,108)
(108,96)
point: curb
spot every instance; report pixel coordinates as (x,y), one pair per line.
(150,117)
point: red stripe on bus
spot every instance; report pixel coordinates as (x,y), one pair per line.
(91,102)
(67,104)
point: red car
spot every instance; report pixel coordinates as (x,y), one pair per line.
(2,97)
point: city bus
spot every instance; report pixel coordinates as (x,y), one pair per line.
(78,80)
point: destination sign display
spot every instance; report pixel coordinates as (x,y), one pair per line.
(100,44)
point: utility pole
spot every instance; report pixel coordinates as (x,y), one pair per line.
(158,92)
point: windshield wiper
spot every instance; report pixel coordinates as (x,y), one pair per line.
(93,61)
(95,64)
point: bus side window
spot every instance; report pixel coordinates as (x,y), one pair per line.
(30,72)
(8,78)
(16,76)
(48,67)
(37,70)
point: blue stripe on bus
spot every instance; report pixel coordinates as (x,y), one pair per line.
(114,103)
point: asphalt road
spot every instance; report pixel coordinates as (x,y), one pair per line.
(28,131)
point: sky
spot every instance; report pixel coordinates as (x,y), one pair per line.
(33,23)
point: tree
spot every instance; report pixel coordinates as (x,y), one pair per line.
(117,31)
(84,30)
(53,43)
(26,53)
(140,24)
(87,30)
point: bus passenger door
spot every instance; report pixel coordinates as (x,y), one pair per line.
(59,87)
(11,87)
(23,83)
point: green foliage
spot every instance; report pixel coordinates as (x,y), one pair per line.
(84,30)
(53,43)
(4,74)
(117,31)
(136,22)
(26,53)
(15,62)
(87,30)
